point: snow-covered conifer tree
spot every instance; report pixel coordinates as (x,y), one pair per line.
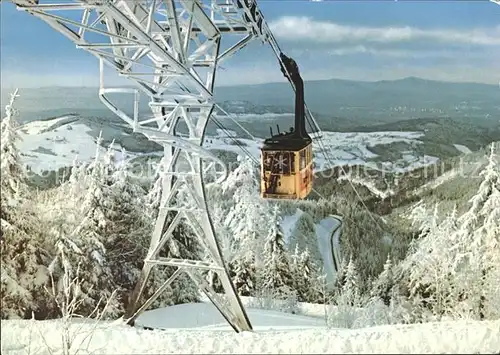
(426,222)
(306,279)
(430,267)
(187,246)
(449,269)
(249,216)
(476,246)
(127,228)
(304,235)
(350,290)
(13,182)
(244,276)
(485,244)
(225,239)
(24,260)
(276,274)
(85,244)
(491,179)
(384,284)
(363,236)
(248,221)
(153,198)
(340,276)
(183,244)
(23,254)
(298,279)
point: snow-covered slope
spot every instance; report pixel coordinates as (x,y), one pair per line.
(341,149)
(288,223)
(54,143)
(190,329)
(462,148)
(353,149)
(369,184)
(226,141)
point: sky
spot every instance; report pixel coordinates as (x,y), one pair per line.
(359,40)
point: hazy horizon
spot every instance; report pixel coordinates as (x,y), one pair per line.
(130,84)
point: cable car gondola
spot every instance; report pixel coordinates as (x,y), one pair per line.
(286,158)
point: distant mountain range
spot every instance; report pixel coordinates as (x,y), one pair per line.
(328,96)
(355,101)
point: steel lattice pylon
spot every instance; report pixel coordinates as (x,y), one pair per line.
(171,50)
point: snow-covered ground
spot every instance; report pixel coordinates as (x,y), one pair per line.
(52,144)
(370,185)
(194,329)
(250,117)
(447,176)
(341,149)
(408,162)
(352,149)
(226,141)
(462,148)
(288,223)
(205,316)
(467,168)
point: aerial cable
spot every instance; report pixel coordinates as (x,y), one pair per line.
(309,117)
(236,141)
(257,163)
(234,120)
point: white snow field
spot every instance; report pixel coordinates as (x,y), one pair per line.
(195,329)
(342,149)
(462,148)
(370,185)
(205,316)
(52,144)
(289,222)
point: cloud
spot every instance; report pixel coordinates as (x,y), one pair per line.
(394,53)
(294,28)
(405,53)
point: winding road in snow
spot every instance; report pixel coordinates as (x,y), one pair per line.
(328,233)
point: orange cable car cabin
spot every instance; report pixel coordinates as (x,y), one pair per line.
(286,157)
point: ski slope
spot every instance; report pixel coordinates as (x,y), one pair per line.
(193,329)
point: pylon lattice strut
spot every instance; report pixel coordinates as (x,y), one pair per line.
(171,50)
